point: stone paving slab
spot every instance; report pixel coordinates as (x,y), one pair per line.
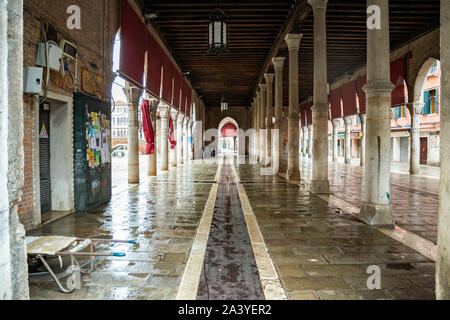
(320,254)
(162,214)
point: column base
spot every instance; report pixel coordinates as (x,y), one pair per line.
(377,214)
(293,175)
(320,187)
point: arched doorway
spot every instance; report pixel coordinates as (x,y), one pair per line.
(228,136)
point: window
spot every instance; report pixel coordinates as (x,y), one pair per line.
(431,100)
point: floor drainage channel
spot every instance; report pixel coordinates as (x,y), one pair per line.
(229,271)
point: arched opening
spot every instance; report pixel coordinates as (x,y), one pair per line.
(228,136)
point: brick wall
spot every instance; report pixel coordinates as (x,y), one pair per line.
(95,40)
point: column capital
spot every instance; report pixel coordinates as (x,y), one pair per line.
(278,63)
(164,111)
(415,108)
(318,4)
(269,78)
(133,94)
(293,40)
(263,87)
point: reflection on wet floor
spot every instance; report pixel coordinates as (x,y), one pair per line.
(415,199)
(322,255)
(317,253)
(162,215)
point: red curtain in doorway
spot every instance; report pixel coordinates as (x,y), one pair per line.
(148,128)
(172,141)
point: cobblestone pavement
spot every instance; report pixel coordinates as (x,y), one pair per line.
(161,214)
(322,255)
(415,199)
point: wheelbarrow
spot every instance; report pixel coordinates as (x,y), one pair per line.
(43,248)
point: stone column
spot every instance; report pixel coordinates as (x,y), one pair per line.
(263,132)
(269,117)
(152,162)
(311,140)
(164,114)
(185,140)
(293,171)
(180,121)
(415,110)
(5,255)
(376,209)
(348,140)
(258,126)
(278,63)
(173,152)
(191,140)
(443,245)
(335,139)
(319,182)
(362,117)
(133,95)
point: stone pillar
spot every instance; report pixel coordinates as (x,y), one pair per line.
(180,121)
(319,182)
(173,152)
(5,255)
(164,114)
(191,140)
(293,171)
(348,140)
(185,140)
(311,140)
(152,162)
(376,209)
(335,139)
(415,110)
(362,117)
(263,132)
(269,117)
(443,245)
(258,126)
(133,95)
(278,63)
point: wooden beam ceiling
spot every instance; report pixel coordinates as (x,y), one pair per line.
(256,30)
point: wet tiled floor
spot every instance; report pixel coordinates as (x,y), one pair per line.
(415,199)
(161,214)
(317,253)
(322,255)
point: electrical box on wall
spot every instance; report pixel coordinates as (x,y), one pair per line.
(32,80)
(55,54)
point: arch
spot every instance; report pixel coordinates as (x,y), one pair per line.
(224,142)
(419,83)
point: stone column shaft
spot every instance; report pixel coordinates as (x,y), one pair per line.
(362,117)
(278,63)
(293,171)
(335,139)
(376,209)
(319,182)
(269,117)
(348,140)
(180,121)
(443,245)
(164,113)
(185,140)
(415,110)
(263,132)
(133,95)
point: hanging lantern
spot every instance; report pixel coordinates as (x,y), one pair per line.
(217,33)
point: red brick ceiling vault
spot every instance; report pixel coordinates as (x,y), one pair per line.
(256,31)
